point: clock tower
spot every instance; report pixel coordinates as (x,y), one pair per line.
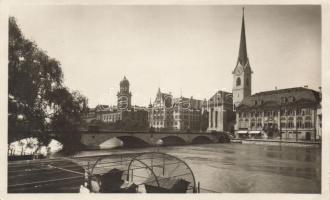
(242,72)
(124,95)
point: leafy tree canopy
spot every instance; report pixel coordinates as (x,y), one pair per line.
(37,100)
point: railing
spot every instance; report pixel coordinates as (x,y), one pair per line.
(47,173)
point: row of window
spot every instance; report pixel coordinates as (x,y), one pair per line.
(305,111)
(170,123)
(289,124)
(164,123)
(284,100)
(306,118)
(171,113)
(111,118)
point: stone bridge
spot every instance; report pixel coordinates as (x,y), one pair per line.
(98,139)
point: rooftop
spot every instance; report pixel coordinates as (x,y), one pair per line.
(282,97)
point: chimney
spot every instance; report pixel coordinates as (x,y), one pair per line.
(275,87)
(305,86)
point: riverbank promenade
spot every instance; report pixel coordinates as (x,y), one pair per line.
(278,142)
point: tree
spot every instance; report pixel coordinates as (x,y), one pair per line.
(67,117)
(32,77)
(37,99)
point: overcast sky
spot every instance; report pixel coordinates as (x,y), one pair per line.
(192,49)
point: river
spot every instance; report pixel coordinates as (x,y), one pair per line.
(241,168)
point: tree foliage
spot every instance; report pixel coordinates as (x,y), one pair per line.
(37,99)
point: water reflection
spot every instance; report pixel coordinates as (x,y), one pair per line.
(247,168)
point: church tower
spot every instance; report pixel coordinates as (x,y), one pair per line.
(242,72)
(124,95)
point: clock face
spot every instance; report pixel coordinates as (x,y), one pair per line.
(239,70)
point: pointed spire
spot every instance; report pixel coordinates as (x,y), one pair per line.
(242,54)
(150,104)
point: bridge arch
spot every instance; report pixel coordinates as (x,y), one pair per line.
(123,141)
(201,139)
(172,140)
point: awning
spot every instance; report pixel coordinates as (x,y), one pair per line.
(254,132)
(242,132)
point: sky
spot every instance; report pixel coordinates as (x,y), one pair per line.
(188,50)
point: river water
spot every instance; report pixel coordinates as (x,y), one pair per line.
(241,168)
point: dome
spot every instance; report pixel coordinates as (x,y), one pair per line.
(124,82)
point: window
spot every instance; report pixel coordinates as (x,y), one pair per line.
(272,113)
(284,100)
(308,124)
(268,114)
(216,119)
(299,122)
(259,123)
(283,125)
(253,123)
(211,125)
(291,99)
(238,81)
(290,123)
(298,112)
(247,82)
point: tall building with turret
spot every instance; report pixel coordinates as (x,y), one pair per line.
(120,116)
(124,95)
(242,72)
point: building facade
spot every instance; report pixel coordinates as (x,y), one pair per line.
(291,114)
(174,114)
(219,112)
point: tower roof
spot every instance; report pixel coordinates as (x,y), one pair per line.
(124,81)
(242,53)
